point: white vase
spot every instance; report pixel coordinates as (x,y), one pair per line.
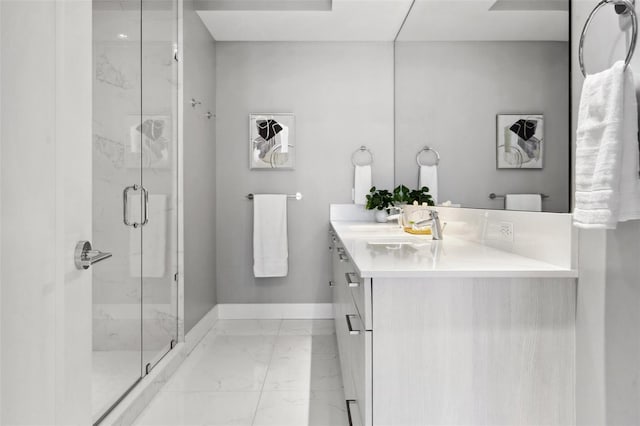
(381,216)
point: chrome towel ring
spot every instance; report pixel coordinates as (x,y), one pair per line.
(428,149)
(362,150)
(630,10)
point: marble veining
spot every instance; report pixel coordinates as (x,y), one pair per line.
(108,73)
(110,149)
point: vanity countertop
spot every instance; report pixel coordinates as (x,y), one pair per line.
(385,251)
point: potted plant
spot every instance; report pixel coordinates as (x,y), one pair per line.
(413,202)
(404,195)
(380,200)
(401,195)
(421,196)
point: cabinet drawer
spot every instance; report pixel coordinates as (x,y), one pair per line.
(342,337)
(360,366)
(360,289)
(342,304)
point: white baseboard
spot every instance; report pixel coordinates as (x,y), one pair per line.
(195,335)
(275,311)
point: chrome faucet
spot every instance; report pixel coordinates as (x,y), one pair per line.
(434,221)
(397,216)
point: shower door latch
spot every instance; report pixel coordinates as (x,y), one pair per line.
(84,256)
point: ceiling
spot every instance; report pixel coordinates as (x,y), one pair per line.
(346,20)
(380,20)
(461,20)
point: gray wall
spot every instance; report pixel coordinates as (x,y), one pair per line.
(447,97)
(199,78)
(608,308)
(342,96)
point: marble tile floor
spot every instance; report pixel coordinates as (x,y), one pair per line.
(113,373)
(256,372)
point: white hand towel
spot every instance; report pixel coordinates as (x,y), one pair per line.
(270,245)
(629,179)
(154,238)
(428,176)
(523,202)
(606,180)
(362,184)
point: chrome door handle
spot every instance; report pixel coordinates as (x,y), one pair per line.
(351,282)
(343,257)
(125,205)
(85,256)
(350,326)
(145,215)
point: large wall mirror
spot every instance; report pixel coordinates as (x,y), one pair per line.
(486,85)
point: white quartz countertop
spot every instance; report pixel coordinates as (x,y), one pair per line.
(385,251)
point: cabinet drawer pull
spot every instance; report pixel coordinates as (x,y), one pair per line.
(351,280)
(349,403)
(331,284)
(343,257)
(350,327)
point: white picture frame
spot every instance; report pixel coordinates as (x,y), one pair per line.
(272,142)
(520,141)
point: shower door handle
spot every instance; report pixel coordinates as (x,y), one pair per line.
(125,205)
(145,214)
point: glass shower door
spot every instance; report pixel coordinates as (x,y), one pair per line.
(117,201)
(159,179)
(135,294)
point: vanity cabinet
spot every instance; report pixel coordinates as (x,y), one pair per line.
(354,340)
(457,350)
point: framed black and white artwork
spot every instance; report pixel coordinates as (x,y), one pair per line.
(520,141)
(271,141)
(149,141)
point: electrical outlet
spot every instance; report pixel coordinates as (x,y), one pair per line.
(505,231)
(499,231)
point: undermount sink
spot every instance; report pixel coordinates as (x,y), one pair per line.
(382,227)
(400,241)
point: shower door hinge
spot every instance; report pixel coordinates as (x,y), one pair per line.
(175,55)
(175,277)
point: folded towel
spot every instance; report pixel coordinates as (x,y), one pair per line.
(523,202)
(270,246)
(362,184)
(629,208)
(428,176)
(607,151)
(154,238)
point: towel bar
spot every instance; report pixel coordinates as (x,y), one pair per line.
(493,196)
(297,196)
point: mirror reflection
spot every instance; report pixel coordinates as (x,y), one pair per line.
(482,103)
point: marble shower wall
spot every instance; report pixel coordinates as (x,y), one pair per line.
(119,99)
